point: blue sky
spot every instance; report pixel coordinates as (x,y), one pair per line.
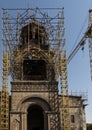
(76,15)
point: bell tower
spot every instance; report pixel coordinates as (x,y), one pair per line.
(33,59)
(34,100)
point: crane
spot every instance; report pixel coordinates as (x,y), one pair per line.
(82,42)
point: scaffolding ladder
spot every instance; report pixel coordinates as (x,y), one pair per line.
(54,116)
(65,112)
(4,93)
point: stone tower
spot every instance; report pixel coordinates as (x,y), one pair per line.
(34,93)
(35,102)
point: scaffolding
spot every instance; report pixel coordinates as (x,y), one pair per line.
(52,19)
(4,109)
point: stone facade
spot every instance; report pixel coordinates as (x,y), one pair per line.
(26,94)
(77,109)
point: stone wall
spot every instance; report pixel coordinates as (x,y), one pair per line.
(25,94)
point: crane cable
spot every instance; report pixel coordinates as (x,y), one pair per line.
(81,30)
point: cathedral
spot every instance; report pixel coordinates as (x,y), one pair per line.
(35,99)
(34,58)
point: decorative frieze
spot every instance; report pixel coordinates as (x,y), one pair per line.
(34,86)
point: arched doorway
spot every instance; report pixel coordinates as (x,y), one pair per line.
(35,118)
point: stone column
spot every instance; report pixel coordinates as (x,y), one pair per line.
(45,120)
(24,121)
(48,121)
(15,122)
